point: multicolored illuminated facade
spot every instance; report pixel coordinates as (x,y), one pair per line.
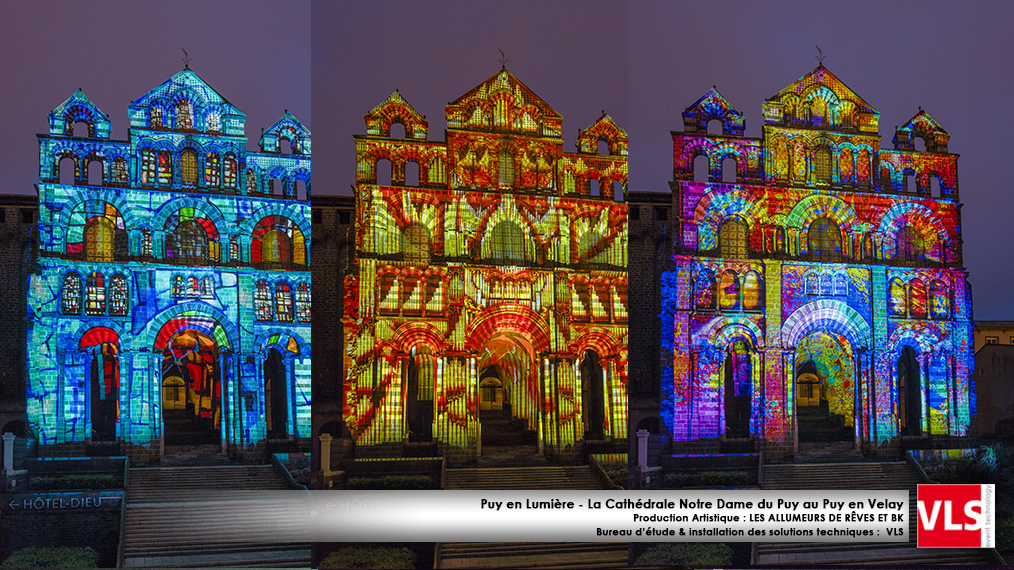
(489,280)
(819,283)
(172,304)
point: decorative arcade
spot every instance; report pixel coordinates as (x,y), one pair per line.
(819,292)
(487,303)
(172,304)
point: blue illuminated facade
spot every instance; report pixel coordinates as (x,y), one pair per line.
(172,304)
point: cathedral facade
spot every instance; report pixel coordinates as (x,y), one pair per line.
(172,300)
(486,302)
(818,290)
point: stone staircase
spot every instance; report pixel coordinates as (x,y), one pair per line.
(511,456)
(528,554)
(213,516)
(500,428)
(852,476)
(829,452)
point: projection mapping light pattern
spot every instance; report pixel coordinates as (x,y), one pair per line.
(146,325)
(818,290)
(491,289)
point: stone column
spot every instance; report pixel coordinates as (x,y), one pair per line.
(642,449)
(325,453)
(9,452)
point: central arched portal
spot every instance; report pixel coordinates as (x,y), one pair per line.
(191,380)
(825,387)
(508,392)
(738,390)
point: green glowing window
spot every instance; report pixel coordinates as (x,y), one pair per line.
(507,241)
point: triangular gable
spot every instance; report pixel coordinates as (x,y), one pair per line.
(822,76)
(603,128)
(523,111)
(712,105)
(922,122)
(187,84)
(287,127)
(820,99)
(78,107)
(923,126)
(395,109)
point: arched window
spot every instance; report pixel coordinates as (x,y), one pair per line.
(95,294)
(262,301)
(99,237)
(824,239)
(917,299)
(211,172)
(184,115)
(752,295)
(303,302)
(507,241)
(704,290)
(148,166)
(118,296)
(208,287)
(145,241)
(189,241)
(277,239)
(156,117)
(165,167)
(732,239)
(506,161)
(119,173)
(728,292)
(188,167)
(251,180)
(283,302)
(415,244)
(436,174)
(234,249)
(909,244)
(822,164)
(896,298)
(941,304)
(177,290)
(213,122)
(812,284)
(193,287)
(229,171)
(70,297)
(841,285)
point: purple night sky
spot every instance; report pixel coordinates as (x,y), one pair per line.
(645,61)
(255,54)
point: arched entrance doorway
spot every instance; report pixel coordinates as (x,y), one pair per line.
(738,390)
(103,370)
(825,387)
(592,396)
(276,397)
(909,393)
(191,380)
(419,387)
(508,394)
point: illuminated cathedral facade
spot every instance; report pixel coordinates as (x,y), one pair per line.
(818,290)
(486,305)
(172,300)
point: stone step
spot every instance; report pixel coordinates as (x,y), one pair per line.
(550,477)
(533,555)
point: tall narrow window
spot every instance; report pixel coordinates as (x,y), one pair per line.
(188,167)
(283,302)
(728,292)
(704,290)
(211,173)
(208,287)
(177,290)
(229,171)
(184,115)
(165,168)
(118,296)
(214,122)
(233,249)
(120,170)
(262,301)
(751,292)
(193,287)
(822,164)
(732,239)
(896,301)
(506,160)
(824,239)
(156,117)
(303,302)
(95,295)
(917,299)
(941,304)
(415,244)
(148,166)
(71,294)
(909,244)
(507,241)
(145,241)
(251,181)
(99,236)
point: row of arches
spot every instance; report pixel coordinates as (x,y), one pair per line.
(281,303)
(915,300)
(728,291)
(95,295)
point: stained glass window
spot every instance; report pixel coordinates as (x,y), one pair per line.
(118,295)
(211,170)
(751,292)
(941,300)
(190,234)
(415,244)
(283,302)
(251,181)
(165,167)
(704,290)
(303,302)
(732,239)
(156,117)
(145,241)
(96,231)
(120,170)
(188,167)
(507,241)
(208,287)
(233,249)
(147,166)
(95,295)
(822,160)
(229,171)
(896,300)
(214,122)
(262,301)
(506,160)
(71,295)
(918,298)
(184,115)
(177,291)
(193,287)
(909,244)
(841,285)
(277,239)
(824,238)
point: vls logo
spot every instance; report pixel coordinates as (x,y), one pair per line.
(956,516)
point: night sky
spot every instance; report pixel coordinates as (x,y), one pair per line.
(641,62)
(256,54)
(644,62)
